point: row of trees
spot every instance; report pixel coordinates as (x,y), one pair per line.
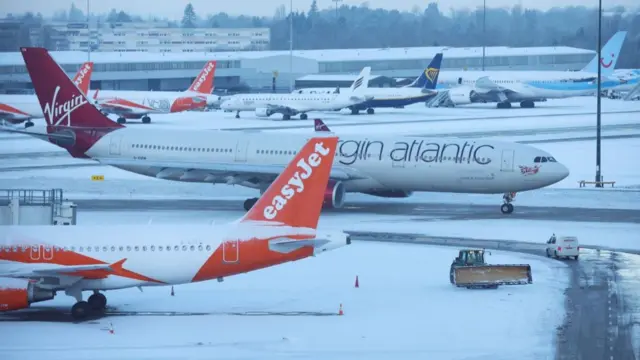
(363,27)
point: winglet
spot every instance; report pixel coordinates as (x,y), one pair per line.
(117,265)
(320,126)
(295,197)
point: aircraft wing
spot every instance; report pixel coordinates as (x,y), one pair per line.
(56,271)
(487,86)
(233,172)
(288,107)
(122,106)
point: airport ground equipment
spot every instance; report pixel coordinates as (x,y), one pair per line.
(35,207)
(471,271)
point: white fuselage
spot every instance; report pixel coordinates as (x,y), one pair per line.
(528,84)
(381,163)
(301,102)
(155,101)
(155,254)
(379,97)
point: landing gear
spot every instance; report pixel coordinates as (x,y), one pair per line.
(80,310)
(28,124)
(238,115)
(527,104)
(97,301)
(507,207)
(248,204)
(355,111)
(504,105)
(370,111)
(122,120)
(286,117)
(146,119)
(303,116)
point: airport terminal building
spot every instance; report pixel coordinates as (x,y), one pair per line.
(238,70)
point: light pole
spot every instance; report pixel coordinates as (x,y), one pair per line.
(484,29)
(598,140)
(291,46)
(88,34)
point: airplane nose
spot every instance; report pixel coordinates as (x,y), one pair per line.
(563,172)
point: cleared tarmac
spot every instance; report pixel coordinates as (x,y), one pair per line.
(419,211)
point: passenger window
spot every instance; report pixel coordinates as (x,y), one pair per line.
(184,247)
(144,248)
(121,248)
(176,248)
(128,248)
(208,247)
(113,248)
(136,248)
(153,248)
(192,248)
(104,248)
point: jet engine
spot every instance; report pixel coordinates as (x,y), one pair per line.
(263,112)
(462,95)
(390,193)
(334,195)
(16,294)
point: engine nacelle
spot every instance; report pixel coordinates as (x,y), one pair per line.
(334,195)
(462,95)
(390,193)
(16,294)
(263,112)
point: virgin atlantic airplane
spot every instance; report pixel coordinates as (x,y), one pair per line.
(384,166)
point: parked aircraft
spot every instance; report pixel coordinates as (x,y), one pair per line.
(36,262)
(140,104)
(290,105)
(16,109)
(527,87)
(385,166)
(420,90)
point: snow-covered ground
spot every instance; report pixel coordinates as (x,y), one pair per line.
(404,308)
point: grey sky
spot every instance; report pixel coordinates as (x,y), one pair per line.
(173,8)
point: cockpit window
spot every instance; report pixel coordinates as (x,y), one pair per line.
(540,159)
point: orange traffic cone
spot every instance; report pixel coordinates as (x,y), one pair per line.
(111,331)
(340,312)
(357,283)
(172,293)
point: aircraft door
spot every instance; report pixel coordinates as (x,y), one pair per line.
(507,160)
(231,251)
(114,145)
(241,151)
(34,252)
(47,252)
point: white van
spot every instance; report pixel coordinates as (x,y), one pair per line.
(563,246)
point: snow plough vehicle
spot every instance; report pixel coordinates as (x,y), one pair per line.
(471,271)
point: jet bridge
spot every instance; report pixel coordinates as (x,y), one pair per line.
(35,207)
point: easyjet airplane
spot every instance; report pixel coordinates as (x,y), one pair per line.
(36,262)
(17,109)
(140,104)
(384,166)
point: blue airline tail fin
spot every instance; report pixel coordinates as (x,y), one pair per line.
(429,77)
(610,55)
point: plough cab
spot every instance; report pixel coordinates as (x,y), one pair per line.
(470,270)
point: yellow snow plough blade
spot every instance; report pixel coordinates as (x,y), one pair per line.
(492,275)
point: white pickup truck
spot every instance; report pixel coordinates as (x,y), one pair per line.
(563,246)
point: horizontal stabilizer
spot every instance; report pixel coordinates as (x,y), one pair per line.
(286,245)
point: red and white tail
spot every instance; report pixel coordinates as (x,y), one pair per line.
(83,77)
(204,81)
(295,197)
(320,126)
(62,103)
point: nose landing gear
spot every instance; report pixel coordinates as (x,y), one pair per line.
(507,207)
